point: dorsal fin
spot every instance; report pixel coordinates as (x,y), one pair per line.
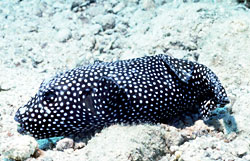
(182,68)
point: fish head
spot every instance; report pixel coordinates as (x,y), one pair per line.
(204,85)
(212,95)
(56,109)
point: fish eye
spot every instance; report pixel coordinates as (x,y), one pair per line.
(49,96)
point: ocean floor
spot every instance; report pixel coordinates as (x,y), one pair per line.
(40,38)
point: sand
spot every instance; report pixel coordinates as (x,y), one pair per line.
(41,38)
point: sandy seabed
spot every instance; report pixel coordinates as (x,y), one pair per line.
(39,38)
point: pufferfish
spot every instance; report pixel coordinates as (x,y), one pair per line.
(151,89)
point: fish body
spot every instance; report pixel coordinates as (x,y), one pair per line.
(148,89)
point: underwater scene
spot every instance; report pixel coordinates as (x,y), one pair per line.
(125,80)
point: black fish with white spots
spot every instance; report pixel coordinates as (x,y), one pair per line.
(148,89)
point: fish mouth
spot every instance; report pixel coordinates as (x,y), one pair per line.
(16,118)
(20,129)
(20,125)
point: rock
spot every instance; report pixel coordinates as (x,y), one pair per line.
(107,21)
(242,151)
(64,144)
(247,157)
(241,147)
(121,28)
(94,11)
(173,137)
(89,42)
(76,6)
(79,145)
(160,2)
(142,142)
(91,29)
(119,7)
(108,7)
(63,35)
(46,144)
(148,4)
(79,5)
(19,148)
(39,13)
(134,1)
(239,26)
(46,158)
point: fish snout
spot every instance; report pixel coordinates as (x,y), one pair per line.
(20,128)
(17,117)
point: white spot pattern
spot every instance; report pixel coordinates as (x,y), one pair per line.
(149,89)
